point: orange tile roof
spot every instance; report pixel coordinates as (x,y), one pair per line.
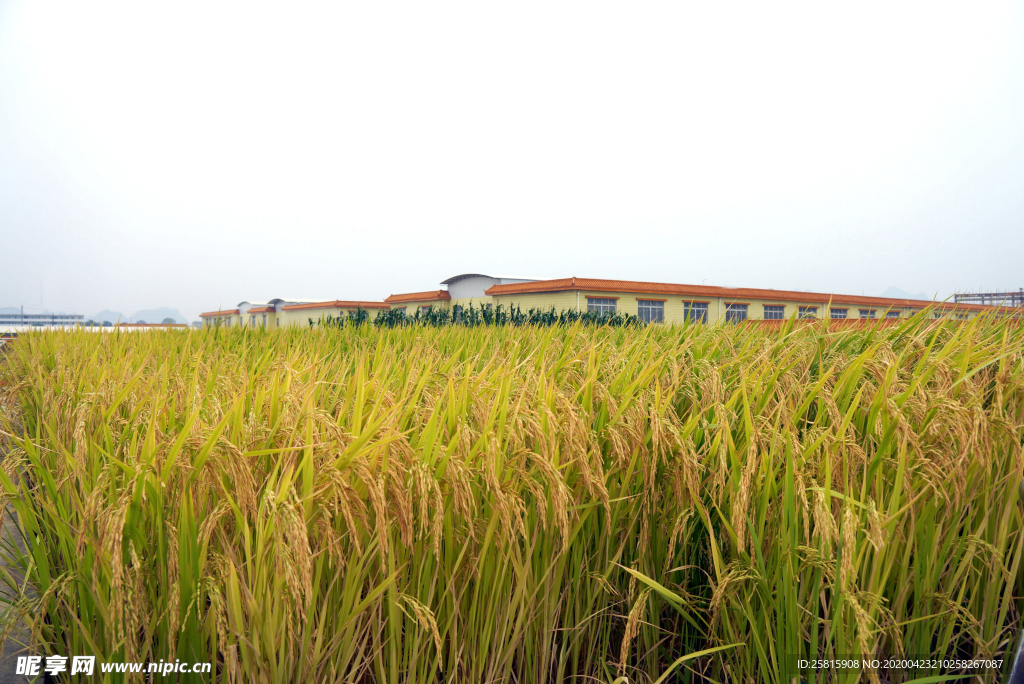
(226,312)
(419,296)
(337,304)
(260,309)
(726,293)
(152,325)
(562,284)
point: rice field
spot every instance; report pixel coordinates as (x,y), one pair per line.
(518,504)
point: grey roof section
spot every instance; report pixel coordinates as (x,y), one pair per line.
(455,279)
(463,276)
(277,303)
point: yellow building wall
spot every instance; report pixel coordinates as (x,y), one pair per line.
(538,300)
(300,317)
(410,307)
(675,305)
(755,310)
(290,318)
(626,302)
(225,320)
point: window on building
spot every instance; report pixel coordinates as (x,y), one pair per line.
(774,312)
(808,312)
(490,305)
(264,320)
(936,314)
(867,313)
(838,313)
(695,312)
(456,312)
(734,313)
(601,305)
(892,314)
(400,308)
(650,311)
(425,309)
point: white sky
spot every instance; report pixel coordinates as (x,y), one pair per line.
(195,155)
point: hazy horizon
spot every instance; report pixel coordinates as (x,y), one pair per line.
(197,155)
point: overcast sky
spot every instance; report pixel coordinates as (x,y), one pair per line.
(195,155)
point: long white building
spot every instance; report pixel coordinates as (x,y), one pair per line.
(42,320)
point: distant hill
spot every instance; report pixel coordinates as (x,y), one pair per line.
(157,316)
(147,315)
(107,315)
(897,293)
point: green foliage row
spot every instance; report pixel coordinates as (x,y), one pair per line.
(472,317)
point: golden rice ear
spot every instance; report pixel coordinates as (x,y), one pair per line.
(632,628)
